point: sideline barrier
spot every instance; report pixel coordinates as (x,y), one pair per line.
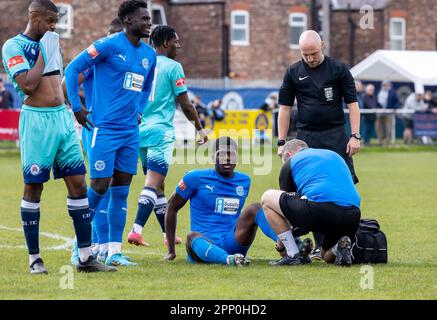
(9,125)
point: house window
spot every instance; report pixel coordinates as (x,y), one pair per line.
(158,14)
(298,24)
(397,33)
(64,27)
(240,28)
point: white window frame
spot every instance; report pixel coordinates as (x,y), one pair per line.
(244,27)
(401,37)
(160,8)
(66,28)
(292,24)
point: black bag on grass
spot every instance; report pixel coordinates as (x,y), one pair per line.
(370,243)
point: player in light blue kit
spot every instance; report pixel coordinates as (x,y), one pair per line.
(48,140)
(157,131)
(221,232)
(100,225)
(124,68)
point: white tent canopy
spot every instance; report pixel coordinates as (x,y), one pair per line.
(419,67)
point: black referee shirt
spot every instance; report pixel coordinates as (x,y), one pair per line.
(319,92)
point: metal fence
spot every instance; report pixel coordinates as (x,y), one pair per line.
(396,115)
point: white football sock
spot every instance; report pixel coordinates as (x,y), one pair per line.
(289,243)
(84,254)
(114,247)
(33,257)
(104,247)
(137,228)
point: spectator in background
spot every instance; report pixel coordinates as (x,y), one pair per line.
(217,111)
(430,102)
(6,99)
(416,103)
(270,104)
(369,102)
(201,109)
(387,99)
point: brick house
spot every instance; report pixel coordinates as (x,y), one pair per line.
(248,39)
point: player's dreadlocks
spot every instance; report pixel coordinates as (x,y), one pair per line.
(162,34)
(128,7)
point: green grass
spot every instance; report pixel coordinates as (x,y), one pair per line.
(398,188)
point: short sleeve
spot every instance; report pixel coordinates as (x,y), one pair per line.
(287,91)
(286,182)
(347,83)
(14,59)
(178,80)
(187,186)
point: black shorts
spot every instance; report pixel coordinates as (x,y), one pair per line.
(334,139)
(327,218)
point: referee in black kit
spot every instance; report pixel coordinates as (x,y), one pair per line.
(320,83)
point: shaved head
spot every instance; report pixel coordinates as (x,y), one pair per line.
(311,46)
(309,38)
(42,6)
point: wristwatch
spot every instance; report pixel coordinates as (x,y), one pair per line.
(356,136)
(281,142)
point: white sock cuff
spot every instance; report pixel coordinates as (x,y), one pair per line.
(160,201)
(77,203)
(149,194)
(29,205)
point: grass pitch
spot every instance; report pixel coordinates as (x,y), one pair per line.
(397,188)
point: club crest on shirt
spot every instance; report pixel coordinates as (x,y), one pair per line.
(329,94)
(99,165)
(145,63)
(35,169)
(240,191)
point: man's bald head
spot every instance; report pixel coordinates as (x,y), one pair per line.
(311,46)
(309,38)
(42,6)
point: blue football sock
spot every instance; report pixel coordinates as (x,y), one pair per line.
(146,203)
(117,210)
(30,215)
(160,208)
(209,252)
(94,238)
(100,222)
(79,211)
(94,199)
(261,221)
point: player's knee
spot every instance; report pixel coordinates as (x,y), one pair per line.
(190,238)
(252,209)
(78,187)
(267,197)
(32,192)
(99,185)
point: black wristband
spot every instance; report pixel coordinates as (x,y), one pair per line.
(281,142)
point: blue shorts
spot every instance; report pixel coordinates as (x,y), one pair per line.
(227,243)
(113,150)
